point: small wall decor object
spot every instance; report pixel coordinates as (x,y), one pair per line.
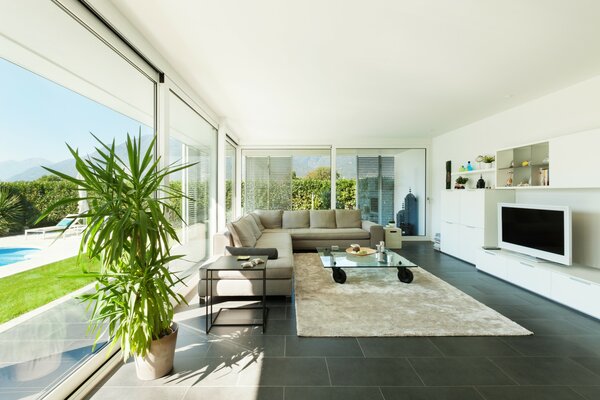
(448,174)
(488,160)
(469,166)
(480,183)
(509,181)
(460,182)
(462,168)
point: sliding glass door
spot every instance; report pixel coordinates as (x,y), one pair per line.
(387,185)
(192,140)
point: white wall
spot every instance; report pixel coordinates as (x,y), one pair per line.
(567,111)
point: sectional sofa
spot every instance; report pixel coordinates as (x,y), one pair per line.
(285,231)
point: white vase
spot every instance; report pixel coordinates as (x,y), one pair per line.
(158,362)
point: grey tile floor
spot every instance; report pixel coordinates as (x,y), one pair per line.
(561,361)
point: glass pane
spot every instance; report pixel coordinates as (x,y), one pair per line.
(37,118)
(193,141)
(286,179)
(387,185)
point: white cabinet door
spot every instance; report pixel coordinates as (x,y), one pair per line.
(472,208)
(470,240)
(573,160)
(577,293)
(450,206)
(492,263)
(529,276)
(449,238)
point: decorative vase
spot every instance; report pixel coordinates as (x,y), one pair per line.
(480,183)
(489,165)
(158,362)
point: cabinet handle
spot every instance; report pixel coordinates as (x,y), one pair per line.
(490,253)
(580,281)
(527,265)
(470,226)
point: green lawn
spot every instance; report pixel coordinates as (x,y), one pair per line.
(31,289)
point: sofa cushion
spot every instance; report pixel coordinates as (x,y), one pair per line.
(329,234)
(295,219)
(258,222)
(271,219)
(270,252)
(244,232)
(235,238)
(348,219)
(252,224)
(322,219)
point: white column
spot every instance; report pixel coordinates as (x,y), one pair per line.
(221,176)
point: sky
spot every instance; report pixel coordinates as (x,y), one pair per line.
(38,116)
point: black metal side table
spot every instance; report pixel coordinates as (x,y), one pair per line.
(231,263)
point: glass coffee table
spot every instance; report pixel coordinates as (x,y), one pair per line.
(338,259)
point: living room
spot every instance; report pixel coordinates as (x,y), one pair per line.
(326,139)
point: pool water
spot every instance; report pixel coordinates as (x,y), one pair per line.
(11,255)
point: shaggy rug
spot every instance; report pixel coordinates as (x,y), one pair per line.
(375,303)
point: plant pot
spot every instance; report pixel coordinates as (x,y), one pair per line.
(158,362)
(488,165)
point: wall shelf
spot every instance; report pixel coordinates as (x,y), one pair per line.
(475,171)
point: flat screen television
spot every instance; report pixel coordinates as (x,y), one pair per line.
(536,230)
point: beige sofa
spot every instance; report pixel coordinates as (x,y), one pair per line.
(285,231)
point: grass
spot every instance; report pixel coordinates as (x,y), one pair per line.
(31,289)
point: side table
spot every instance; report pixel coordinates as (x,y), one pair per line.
(393,237)
(231,263)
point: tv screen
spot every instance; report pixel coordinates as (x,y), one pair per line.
(538,229)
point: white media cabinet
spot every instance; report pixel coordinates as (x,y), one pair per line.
(470,220)
(574,286)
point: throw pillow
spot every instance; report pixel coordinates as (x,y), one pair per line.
(244,232)
(348,219)
(235,238)
(271,252)
(295,219)
(271,219)
(257,220)
(252,224)
(322,219)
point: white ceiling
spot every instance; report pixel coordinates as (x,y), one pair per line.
(321,71)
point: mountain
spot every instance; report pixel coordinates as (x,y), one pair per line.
(33,173)
(66,166)
(10,168)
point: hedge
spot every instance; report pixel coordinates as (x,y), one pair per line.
(36,196)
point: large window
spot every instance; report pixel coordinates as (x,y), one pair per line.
(192,140)
(385,184)
(286,179)
(59,83)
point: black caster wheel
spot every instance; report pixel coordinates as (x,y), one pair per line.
(339,275)
(405,275)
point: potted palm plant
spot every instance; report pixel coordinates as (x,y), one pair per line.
(128,230)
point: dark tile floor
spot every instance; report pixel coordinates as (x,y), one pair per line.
(561,361)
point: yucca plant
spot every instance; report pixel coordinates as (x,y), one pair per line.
(128,230)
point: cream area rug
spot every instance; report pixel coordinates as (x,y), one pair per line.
(374,302)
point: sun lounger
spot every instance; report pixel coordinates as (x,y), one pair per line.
(70,224)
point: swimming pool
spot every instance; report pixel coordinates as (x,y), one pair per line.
(11,255)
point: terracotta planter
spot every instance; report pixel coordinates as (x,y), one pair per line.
(159,360)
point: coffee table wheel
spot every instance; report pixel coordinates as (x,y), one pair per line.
(339,275)
(405,275)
